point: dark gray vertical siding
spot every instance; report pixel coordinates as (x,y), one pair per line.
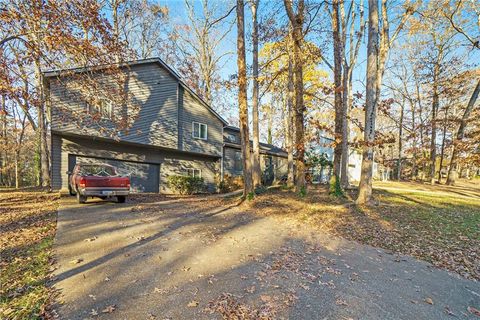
(151,109)
(56,158)
(195,111)
(229,132)
(180,93)
(229,162)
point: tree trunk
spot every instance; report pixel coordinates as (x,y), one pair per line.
(345,130)
(42,127)
(452,172)
(433,144)
(242,99)
(365,186)
(290,135)
(3,136)
(17,184)
(116,29)
(337,76)
(256,176)
(413,174)
(296,21)
(400,143)
(270,123)
(442,149)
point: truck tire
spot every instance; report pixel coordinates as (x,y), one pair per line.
(70,190)
(121,199)
(81,198)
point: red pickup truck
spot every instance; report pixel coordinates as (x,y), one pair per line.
(97,180)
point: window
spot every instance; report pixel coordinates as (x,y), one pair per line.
(104,109)
(196,173)
(238,163)
(232,138)
(199,130)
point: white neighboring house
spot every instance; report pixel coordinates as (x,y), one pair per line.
(324,146)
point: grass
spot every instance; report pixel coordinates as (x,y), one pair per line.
(27,230)
(439,224)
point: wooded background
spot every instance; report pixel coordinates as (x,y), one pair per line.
(398,80)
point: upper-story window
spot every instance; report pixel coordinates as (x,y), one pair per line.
(103,108)
(232,138)
(199,130)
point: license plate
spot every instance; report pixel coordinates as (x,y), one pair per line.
(107,193)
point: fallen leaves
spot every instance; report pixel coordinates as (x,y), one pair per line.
(341,302)
(251,289)
(192,304)
(442,230)
(109,309)
(76,261)
(27,228)
(474,311)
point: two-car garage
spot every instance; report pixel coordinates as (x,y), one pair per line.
(147,167)
(144,177)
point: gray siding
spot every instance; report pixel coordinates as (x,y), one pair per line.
(192,110)
(232,136)
(229,162)
(170,162)
(280,163)
(150,110)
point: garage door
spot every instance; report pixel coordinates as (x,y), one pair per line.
(144,177)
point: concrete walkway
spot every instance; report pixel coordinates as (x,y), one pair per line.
(201,259)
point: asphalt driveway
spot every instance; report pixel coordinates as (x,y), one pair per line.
(208,259)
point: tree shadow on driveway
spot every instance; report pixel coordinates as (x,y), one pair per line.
(210,259)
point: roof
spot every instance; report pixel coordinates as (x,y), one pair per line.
(232,128)
(60,72)
(268,148)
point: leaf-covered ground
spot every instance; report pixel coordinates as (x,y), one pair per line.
(27,229)
(439,224)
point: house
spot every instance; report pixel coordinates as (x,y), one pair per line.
(273,160)
(324,146)
(172,130)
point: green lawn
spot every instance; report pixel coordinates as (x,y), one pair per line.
(27,229)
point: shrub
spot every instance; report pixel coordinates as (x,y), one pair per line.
(186,184)
(230,184)
(303,192)
(335,187)
(260,189)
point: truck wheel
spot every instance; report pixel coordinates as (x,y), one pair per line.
(80,198)
(70,190)
(121,199)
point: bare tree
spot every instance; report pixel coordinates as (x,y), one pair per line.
(365,187)
(348,67)
(296,20)
(199,45)
(338,47)
(242,99)
(289,117)
(379,44)
(452,173)
(256,172)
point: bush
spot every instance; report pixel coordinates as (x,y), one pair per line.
(230,184)
(335,187)
(186,184)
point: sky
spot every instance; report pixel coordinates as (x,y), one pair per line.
(178,15)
